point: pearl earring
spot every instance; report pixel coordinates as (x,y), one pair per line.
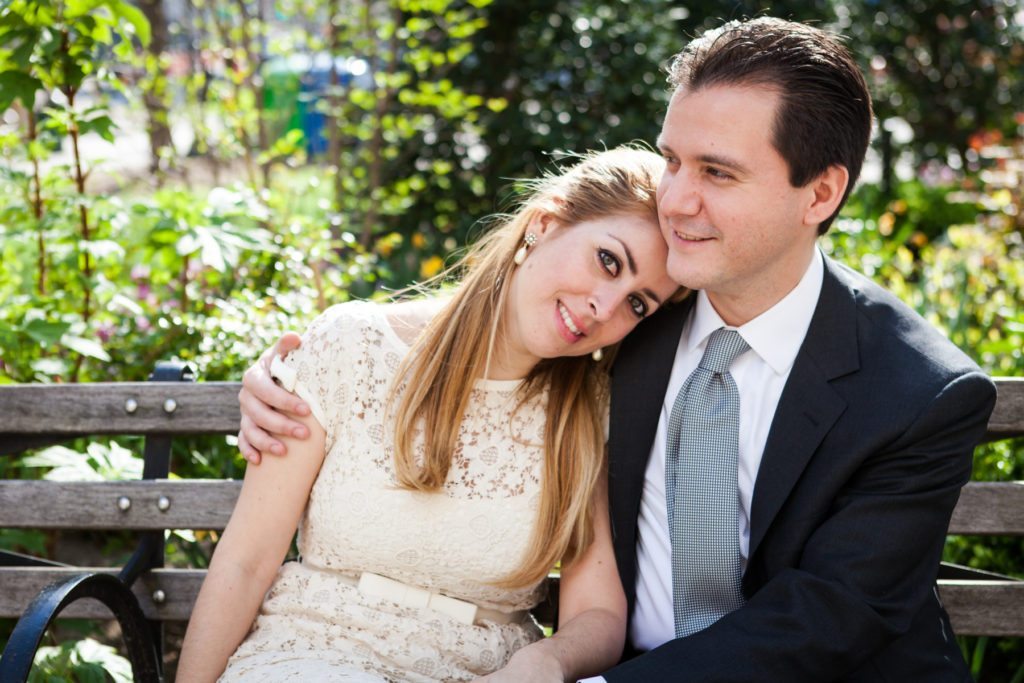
(597,355)
(529,239)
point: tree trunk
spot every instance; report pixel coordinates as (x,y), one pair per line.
(154,98)
(385,95)
(885,142)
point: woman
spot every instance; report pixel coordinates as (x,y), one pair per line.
(456,454)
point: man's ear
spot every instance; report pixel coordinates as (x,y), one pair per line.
(826,193)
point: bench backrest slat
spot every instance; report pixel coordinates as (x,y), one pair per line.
(984,608)
(192,504)
(212,408)
(87,409)
(989,508)
(985,508)
(1008,416)
(180,588)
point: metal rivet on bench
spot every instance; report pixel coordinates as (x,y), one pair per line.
(130,406)
(123,503)
(163,503)
(159,597)
(170,405)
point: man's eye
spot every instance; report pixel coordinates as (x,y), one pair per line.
(609,261)
(639,306)
(716,173)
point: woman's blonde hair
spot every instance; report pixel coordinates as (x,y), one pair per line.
(439,374)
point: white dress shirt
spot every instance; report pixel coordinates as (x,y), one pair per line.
(775,338)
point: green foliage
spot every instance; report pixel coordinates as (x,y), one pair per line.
(82,661)
(949,68)
(101,463)
(957,257)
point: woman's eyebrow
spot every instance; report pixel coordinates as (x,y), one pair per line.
(629,255)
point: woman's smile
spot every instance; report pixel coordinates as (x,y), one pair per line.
(570,328)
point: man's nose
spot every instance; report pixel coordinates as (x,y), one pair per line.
(679,196)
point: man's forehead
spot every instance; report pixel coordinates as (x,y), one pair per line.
(740,99)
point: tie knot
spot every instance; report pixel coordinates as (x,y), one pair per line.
(722,349)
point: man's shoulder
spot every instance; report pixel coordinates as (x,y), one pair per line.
(887,327)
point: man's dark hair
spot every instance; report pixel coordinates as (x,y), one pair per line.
(824,115)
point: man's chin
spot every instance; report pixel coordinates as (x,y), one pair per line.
(685,275)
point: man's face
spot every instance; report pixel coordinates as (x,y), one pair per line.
(735,226)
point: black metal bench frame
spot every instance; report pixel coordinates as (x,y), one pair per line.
(143,637)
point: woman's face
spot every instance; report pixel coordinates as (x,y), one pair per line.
(582,287)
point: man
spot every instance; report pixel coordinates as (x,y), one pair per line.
(778,515)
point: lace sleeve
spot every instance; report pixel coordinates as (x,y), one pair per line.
(315,370)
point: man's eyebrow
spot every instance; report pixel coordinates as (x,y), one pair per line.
(717,160)
(632,267)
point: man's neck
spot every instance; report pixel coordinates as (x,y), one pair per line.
(739,308)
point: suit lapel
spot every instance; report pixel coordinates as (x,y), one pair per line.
(640,378)
(809,406)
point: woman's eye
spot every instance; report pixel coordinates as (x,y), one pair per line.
(609,261)
(639,306)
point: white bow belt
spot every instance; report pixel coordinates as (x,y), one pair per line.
(375,585)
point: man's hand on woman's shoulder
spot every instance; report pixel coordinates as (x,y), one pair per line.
(263,403)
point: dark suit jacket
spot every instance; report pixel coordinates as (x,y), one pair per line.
(871,441)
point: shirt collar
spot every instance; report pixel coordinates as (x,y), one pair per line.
(777,334)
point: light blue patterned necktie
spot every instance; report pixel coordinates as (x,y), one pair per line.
(701,489)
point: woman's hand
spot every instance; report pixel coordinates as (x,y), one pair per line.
(592,610)
(263,404)
(537,663)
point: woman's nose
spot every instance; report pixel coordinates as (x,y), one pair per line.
(601,306)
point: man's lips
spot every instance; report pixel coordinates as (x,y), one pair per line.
(687,237)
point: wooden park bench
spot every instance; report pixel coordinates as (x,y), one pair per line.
(144,594)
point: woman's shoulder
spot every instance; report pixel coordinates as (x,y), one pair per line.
(407,319)
(401,321)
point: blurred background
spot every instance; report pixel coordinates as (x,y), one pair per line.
(189,178)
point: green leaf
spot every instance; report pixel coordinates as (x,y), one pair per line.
(22,55)
(15,85)
(85,347)
(212,254)
(54,456)
(49,367)
(44,331)
(134,16)
(101,33)
(103,249)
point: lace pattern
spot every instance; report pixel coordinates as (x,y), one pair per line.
(457,541)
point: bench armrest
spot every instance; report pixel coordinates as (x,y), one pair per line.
(16,661)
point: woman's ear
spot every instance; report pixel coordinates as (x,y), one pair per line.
(542,223)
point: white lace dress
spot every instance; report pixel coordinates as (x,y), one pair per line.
(313,624)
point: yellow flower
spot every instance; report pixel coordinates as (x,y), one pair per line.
(418,240)
(431,267)
(387,244)
(886,222)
